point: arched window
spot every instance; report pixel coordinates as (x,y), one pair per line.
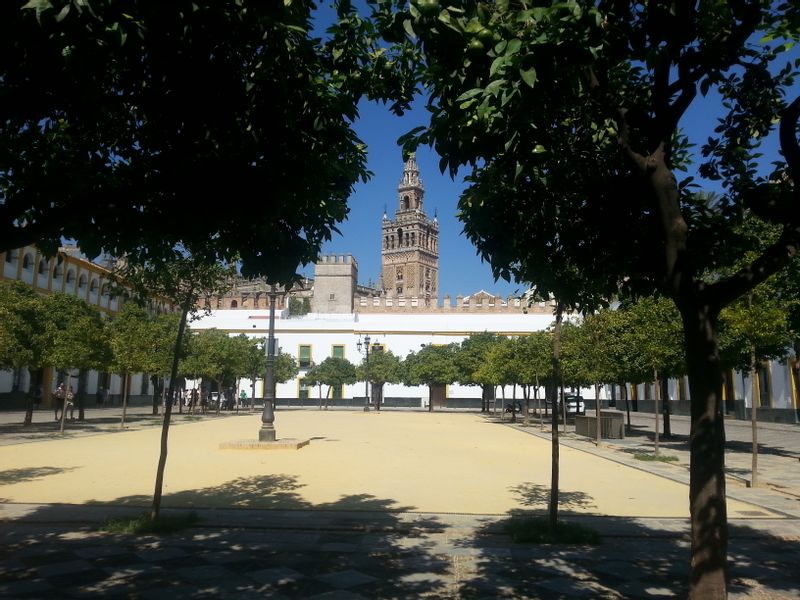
(12,255)
(70,276)
(58,271)
(44,264)
(27,261)
(399,236)
(404,203)
(234,304)
(93,286)
(82,282)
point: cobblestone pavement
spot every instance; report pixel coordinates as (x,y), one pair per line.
(59,551)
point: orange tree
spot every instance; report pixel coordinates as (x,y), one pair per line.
(119,119)
(571,115)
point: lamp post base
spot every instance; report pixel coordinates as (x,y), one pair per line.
(366,408)
(266,433)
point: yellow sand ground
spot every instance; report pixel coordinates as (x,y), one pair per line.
(441,462)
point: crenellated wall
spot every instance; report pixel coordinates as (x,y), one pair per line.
(478,304)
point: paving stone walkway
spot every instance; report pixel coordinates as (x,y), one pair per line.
(57,552)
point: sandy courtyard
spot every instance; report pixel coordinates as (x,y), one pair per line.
(439,462)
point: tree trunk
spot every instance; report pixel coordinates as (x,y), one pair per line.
(599,428)
(794,370)
(430,398)
(29,410)
(125,385)
(665,408)
(157,385)
(754,414)
(80,394)
(526,393)
(624,387)
(707,504)
(162,459)
(657,394)
(554,466)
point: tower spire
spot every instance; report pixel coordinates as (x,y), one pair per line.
(410,190)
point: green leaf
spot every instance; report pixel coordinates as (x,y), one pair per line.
(494,87)
(513,46)
(467,95)
(497,63)
(62,14)
(528,76)
(39,6)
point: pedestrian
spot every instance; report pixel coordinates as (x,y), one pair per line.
(99,397)
(243,398)
(71,403)
(58,402)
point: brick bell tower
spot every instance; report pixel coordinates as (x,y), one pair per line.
(410,255)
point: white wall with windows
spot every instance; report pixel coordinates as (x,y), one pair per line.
(314,337)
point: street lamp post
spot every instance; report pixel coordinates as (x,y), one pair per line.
(366,370)
(267,431)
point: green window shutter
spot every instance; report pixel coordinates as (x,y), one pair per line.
(338,352)
(304,357)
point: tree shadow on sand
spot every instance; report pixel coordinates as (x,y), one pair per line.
(11,476)
(537,497)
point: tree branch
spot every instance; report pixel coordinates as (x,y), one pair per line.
(774,258)
(695,64)
(624,141)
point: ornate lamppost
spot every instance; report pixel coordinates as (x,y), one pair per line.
(366,370)
(267,431)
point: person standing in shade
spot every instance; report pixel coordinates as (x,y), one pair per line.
(58,400)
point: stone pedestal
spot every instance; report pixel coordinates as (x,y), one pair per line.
(284,444)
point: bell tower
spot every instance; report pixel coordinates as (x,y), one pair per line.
(410,254)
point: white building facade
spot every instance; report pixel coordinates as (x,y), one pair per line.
(314,337)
